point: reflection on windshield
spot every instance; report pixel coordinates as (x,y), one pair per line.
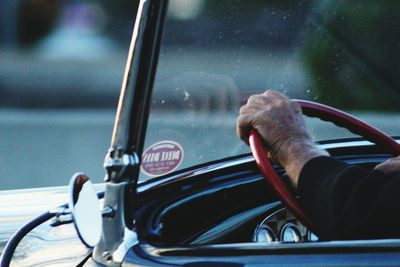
(216,53)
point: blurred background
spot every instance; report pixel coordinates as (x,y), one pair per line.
(62,63)
(61,67)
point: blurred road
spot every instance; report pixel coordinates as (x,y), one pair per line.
(44,148)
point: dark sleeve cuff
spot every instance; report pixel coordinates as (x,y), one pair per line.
(314,172)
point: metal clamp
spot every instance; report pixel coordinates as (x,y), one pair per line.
(120,166)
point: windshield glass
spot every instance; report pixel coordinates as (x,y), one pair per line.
(214,54)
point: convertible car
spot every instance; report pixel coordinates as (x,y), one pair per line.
(180,188)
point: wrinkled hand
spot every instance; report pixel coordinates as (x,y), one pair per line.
(389,166)
(281,124)
(278,120)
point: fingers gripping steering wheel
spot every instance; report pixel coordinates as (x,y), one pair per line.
(325,113)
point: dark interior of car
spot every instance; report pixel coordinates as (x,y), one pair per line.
(231,206)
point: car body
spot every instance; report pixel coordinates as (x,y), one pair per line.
(174,197)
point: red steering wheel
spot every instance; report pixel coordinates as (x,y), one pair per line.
(325,113)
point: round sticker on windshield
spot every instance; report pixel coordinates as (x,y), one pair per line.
(161,158)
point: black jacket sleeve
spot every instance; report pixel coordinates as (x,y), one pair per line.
(349,201)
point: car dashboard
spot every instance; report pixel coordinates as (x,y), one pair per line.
(221,215)
(228,203)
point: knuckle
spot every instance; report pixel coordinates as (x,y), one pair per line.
(243,109)
(279,104)
(269,92)
(253,98)
(242,121)
(239,121)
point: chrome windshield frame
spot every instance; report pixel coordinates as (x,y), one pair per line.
(123,158)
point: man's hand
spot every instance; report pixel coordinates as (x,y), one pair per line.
(280,123)
(389,166)
(275,117)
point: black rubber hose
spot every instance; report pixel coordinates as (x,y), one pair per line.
(12,244)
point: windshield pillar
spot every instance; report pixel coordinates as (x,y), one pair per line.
(123,158)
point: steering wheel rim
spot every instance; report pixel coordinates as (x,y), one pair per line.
(326,113)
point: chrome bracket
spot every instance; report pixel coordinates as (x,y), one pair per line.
(113,224)
(120,166)
(120,169)
(61,216)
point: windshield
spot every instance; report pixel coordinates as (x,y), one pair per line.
(214,54)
